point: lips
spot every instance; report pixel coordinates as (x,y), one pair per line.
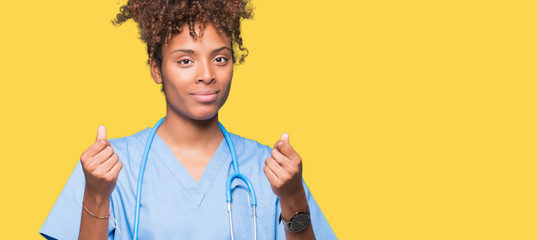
(205,96)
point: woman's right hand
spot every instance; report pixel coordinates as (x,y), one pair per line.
(101,166)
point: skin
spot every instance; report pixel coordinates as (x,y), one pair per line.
(197,77)
(101,168)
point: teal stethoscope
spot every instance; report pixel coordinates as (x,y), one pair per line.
(230,178)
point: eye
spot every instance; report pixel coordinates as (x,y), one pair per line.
(185,61)
(220,59)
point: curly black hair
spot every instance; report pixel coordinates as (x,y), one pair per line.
(158,20)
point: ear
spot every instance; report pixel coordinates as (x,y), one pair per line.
(155,71)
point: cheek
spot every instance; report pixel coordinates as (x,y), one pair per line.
(226,85)
(226,77)
(176,81)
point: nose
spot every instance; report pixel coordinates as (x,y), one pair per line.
(206,74)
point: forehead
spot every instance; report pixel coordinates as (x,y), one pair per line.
(207,41)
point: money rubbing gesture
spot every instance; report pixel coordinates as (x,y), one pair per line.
(284,172)
(101,165)
(101,168)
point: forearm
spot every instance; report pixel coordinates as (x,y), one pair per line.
(92,227)
(291,205)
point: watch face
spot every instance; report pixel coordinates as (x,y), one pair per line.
(299,222)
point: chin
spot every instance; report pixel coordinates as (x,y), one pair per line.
(204,115)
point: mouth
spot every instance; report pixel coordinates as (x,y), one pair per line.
(205,96)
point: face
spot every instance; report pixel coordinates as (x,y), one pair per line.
(196,73)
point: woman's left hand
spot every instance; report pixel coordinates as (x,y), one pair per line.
(284,170)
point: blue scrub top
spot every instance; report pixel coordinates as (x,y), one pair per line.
(174,205)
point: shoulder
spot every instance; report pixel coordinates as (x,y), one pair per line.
(131,144)
(250,153)
(134,138)
(243,144)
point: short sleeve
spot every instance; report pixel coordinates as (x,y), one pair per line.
(321,228)
(63,221)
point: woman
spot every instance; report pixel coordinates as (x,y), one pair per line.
(191,53)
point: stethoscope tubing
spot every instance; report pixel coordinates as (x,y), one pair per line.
(236,174)
(141,176)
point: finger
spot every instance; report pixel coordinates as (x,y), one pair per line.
(95,148)
(114,172)
(274,166)
(110,163)
(101,133)
(277,144)
(280,158)
(102,156)
(286,149)
(271,176)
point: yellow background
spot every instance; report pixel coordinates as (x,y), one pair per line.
(415,119)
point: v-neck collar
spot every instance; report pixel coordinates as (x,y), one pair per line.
(196,190)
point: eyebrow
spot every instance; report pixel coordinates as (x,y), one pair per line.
(192,51)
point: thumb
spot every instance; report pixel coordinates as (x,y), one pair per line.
(285,138)
(101,133)
(285,147)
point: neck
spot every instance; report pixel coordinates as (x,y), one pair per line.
(183,132)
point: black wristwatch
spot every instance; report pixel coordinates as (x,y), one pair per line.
(298,222)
